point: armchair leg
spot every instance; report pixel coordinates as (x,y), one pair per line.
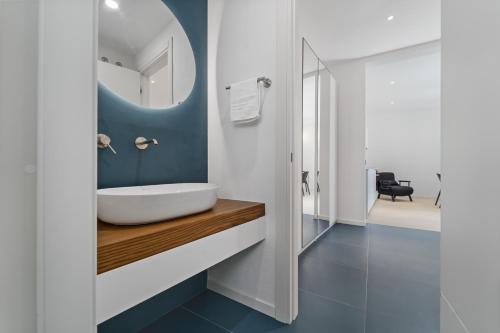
(393,198)
(411,199)
(437,199)
(378,197)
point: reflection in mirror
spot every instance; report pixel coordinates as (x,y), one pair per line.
(318,100)
(144,54)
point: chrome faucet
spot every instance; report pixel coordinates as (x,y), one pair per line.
(143,143)
(104,141)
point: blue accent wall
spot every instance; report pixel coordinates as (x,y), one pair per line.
(182,153)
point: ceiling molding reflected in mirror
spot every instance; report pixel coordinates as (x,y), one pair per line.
(144,55)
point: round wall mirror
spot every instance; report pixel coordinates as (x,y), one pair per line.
(144,54)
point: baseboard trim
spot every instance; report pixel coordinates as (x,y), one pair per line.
(252,302)
(352,222)
(324,217)
(454,313)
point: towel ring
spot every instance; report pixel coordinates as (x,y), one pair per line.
(265,81)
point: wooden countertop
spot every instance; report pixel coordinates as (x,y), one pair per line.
(121,245)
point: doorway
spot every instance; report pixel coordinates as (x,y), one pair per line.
(403,101)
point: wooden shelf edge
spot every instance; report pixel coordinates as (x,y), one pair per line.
(120,246)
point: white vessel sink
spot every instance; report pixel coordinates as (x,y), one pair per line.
(154,203)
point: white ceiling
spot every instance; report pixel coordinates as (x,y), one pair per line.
(346,29)
(131,27)
(415,74)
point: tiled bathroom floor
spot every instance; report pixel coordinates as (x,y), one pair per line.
(376,279)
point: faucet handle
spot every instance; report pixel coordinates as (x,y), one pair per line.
(142,143)
(104,141)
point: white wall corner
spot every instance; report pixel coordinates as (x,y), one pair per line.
(286,261)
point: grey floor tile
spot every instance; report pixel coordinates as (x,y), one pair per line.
(347,234)
(318,315)
(412,302)
(398,293)
(337,282)
(231,315)
(182,321)
(329,253)
(409,242)
(379,323)
(393,265)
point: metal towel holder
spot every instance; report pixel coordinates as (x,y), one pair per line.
(265,81)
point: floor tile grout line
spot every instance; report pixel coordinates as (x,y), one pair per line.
(331,299)
(354,244)
(206,319)
(342,264)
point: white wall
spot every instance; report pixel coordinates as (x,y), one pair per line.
(18,96)
(404,138)
(408,144)
(114,55)
(350,77)
(242,158)
(67,163)
(470,237)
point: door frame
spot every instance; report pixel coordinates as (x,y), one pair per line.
(67,166)
(286,279)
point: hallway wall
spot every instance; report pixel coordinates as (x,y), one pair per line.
(242,158)
(18,122)
(470,272)
(350,76)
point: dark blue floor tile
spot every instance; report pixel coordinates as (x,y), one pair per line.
(379,323)
(398,293)
(409,242)
(332,252)
(311,228)
(347,234)
(231,315)
(319,315)
(182,321)
(412,302)
(392,265)
(337,282)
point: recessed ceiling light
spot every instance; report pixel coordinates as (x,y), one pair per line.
(390,18)
(112,4)
(153,81)
(392,102)
(392,83)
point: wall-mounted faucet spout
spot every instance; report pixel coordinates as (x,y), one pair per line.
(143,143)
(103,142)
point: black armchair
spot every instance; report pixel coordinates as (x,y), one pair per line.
(387,185)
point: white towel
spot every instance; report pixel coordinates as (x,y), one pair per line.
(245,101)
